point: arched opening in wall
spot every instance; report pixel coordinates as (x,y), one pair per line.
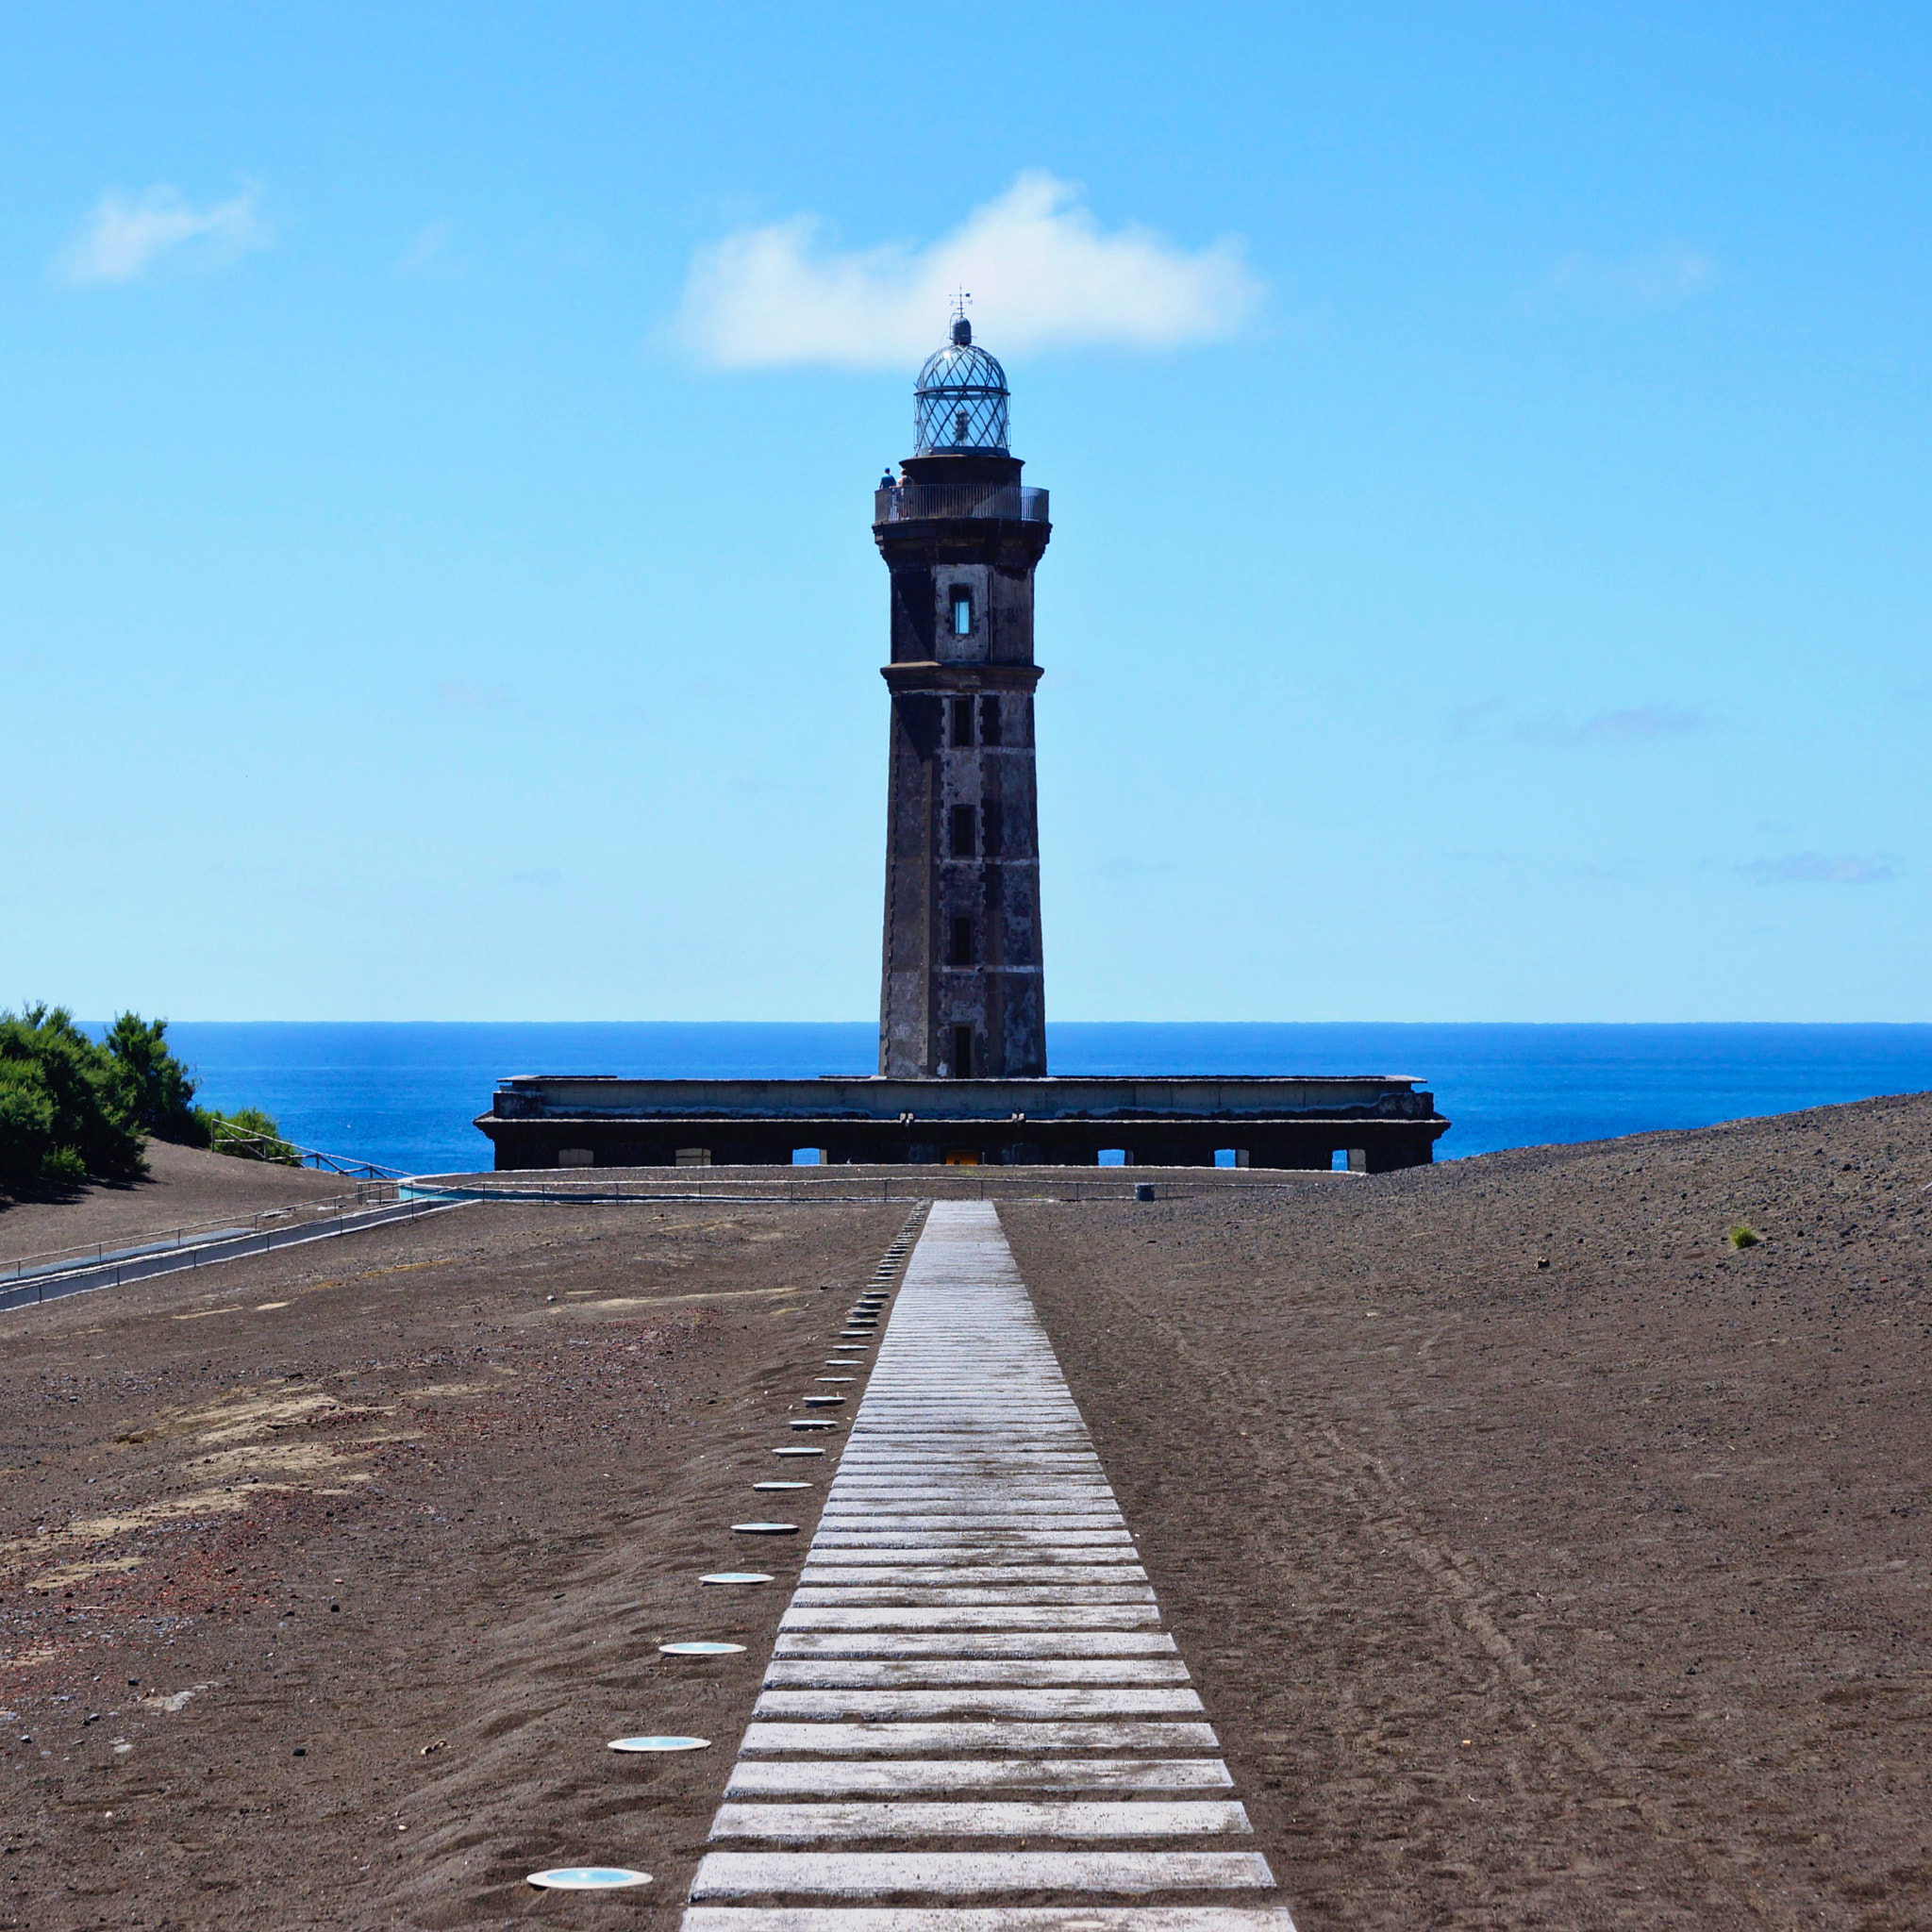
(1113,1157)
(1230,1156)
(808,1156)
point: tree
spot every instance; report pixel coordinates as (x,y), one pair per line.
(156,1092)
(62,1112)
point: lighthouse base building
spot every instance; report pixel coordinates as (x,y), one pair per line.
(963,1073)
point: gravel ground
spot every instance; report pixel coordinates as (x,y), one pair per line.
(1543,1560)
(326,1586)
(186,1188)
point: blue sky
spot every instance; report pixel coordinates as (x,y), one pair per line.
(1489,445)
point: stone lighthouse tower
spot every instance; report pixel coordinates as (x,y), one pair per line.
(961,996)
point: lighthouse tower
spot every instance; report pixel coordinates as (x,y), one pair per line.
(961,996)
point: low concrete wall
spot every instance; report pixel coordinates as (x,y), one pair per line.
(1368,1144)
(586,1096)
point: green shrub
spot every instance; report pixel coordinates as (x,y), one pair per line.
(72,1108)
(1743,1236)
(26,1119)
(252,1134)
(63,1114)
(62,1168)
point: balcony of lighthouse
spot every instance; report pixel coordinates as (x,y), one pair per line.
(904,502)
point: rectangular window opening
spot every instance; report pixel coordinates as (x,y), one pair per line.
(963,1052)
(962,722)
(990,721)
(808,1156)
(995,829)
(961,952)
(965,838)
(1113,1157)
(962,612)
(1230,1156)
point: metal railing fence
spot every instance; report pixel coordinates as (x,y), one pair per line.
(146,1243)
(904,501)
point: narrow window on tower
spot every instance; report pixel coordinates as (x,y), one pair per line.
(962,944)
(962,612)
(988,721)
(995,827)
(965,845)
(963,1052)
(963,720)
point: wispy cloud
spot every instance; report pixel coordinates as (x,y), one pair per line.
(1041,269)
(1630,724)
(1620,725)
(1660,277)
(1823,868)
(430,248)
(125,238)
(453,696)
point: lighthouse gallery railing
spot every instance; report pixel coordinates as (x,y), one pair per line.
(905,502)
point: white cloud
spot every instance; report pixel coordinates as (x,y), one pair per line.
(1040,270)
(124,237)
(1660,277)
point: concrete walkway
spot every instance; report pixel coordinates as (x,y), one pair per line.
(973,1659)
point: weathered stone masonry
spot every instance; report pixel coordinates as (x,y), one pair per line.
(961,990)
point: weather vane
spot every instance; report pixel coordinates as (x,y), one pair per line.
(959,302)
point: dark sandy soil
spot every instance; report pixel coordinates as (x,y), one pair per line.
(185,1188)
(1592,1594)
(1645,1527)
(322,1588)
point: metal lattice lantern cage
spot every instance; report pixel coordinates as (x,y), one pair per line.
(960,403)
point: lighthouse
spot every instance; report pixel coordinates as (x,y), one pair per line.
(961,994)
(962,1008)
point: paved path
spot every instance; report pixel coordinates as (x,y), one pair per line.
(972,1720)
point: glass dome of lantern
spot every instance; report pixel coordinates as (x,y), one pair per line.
(959,405)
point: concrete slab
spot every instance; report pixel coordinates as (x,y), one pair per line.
(952,1874)
(759,1777)
(852,1673)
(975,1702)
(911,1738)
(1073,1918)
(998,1818)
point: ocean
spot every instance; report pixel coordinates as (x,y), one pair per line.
(404,1094)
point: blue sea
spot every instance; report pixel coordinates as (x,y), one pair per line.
(405,1094)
